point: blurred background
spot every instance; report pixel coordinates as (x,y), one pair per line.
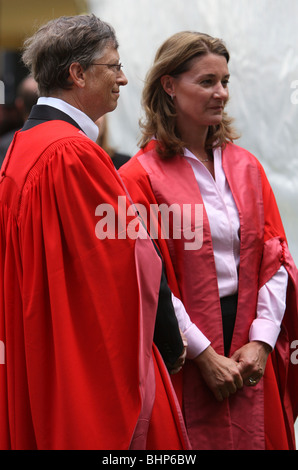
(262,37)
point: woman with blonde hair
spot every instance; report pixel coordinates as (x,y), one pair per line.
(237,281)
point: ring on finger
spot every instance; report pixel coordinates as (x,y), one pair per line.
(252,381)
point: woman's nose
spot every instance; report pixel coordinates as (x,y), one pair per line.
(221,91)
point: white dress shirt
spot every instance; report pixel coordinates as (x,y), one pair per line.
(85,123)
(224,226)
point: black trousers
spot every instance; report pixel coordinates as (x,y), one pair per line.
(228,310)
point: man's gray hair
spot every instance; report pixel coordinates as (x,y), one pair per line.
(49,53)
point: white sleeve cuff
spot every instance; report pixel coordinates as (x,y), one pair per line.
(270,309)
(196,340)
(264,330)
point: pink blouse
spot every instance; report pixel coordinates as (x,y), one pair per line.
(224,225)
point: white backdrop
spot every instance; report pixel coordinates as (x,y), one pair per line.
(262,37)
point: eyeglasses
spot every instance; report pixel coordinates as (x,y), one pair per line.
(115,67)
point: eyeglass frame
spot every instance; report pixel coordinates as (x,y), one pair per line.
(118,67)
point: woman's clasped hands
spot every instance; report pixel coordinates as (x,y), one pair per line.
(226,375)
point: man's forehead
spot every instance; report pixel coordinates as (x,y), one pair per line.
(110,52)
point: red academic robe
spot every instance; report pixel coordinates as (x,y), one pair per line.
(255,417)
(77,313)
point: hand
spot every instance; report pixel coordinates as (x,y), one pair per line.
(251,359)
(181,359)
(220,373)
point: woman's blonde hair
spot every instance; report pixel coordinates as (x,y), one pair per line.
(174,57)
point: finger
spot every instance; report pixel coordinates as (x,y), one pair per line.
(218,395)
(225,392)
(184,340)
(239,382)
(175,371)
(175,368)
(232,388)
(181,359)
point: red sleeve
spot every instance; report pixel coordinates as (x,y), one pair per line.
(77,309)
(276,254)
(80,311)
(274,234)
(273,223)
(138,184)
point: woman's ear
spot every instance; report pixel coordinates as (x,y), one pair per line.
(77,74)
(167,82)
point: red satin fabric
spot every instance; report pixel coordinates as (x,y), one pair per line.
(76,319)
(237,423)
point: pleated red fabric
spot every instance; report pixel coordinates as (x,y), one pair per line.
(77,312)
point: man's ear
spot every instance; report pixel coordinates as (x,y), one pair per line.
(167,82)
(77,74)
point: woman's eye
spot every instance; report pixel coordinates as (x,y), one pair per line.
(209,82)
(206,82)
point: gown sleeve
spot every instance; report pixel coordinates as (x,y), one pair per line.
(80,304)
(270,309)
(140,190)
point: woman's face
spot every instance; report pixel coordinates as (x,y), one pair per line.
(200,94)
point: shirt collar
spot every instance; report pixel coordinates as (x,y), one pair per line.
(216,154)
(85,123)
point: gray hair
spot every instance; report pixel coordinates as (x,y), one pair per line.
(55,46)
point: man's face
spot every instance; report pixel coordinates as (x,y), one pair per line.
(103,84)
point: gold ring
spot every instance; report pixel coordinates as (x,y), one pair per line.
(252,381)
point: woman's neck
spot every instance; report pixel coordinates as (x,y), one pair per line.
(195,140)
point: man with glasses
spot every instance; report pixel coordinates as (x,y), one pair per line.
(78,314)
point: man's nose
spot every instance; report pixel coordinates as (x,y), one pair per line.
(121,79)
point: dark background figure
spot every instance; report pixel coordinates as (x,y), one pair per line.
(103,141)
(26,97)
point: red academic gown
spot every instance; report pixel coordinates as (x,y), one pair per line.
(77,313)
(260,417)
